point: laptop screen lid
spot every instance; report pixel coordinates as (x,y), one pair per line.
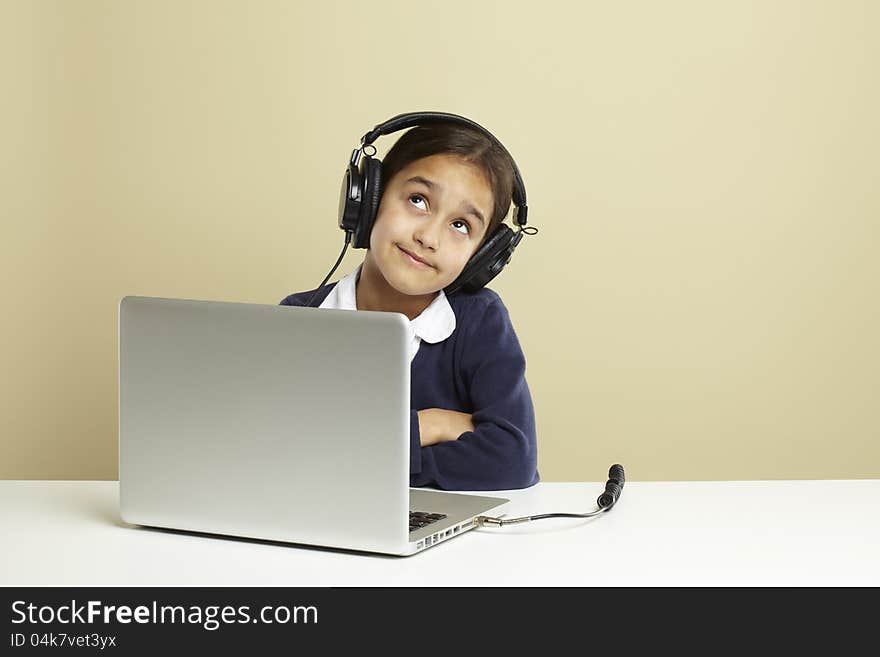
(263,421)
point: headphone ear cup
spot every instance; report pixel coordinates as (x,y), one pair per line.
(371,175)
(350,197)
(487,262)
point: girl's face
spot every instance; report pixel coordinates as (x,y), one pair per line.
(436,209)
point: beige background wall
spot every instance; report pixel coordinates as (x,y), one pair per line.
(701,301)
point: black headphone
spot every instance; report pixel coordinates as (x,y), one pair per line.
(362,190)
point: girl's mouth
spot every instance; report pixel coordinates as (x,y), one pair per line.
(412,260)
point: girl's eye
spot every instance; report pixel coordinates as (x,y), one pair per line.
(466,226)
(418,196)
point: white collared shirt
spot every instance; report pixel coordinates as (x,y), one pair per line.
(434,324)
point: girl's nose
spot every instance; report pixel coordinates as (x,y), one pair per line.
(427,234)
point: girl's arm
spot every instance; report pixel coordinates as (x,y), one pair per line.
(499,451)
(437,425)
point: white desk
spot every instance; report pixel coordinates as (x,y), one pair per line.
(761,533)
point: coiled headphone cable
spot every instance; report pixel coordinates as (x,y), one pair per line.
(613,489)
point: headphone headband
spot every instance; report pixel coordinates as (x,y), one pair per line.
(412,119)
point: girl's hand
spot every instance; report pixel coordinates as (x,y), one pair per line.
(437,425)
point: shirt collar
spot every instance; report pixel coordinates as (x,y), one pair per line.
(434,324)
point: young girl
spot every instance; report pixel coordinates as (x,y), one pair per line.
(445,188)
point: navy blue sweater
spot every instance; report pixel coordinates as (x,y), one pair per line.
(479,369)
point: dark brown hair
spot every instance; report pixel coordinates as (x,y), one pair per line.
(470,145)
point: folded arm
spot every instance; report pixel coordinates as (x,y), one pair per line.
(495,447)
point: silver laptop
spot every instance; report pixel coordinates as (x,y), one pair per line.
(279,423)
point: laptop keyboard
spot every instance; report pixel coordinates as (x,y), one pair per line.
(419,519)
